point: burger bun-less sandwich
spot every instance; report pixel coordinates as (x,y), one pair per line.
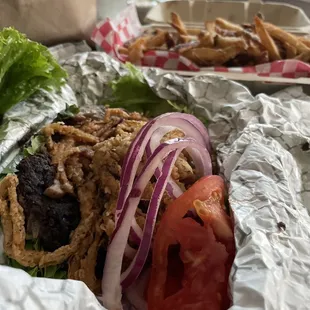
(104,199)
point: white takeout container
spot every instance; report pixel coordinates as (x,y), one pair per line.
(289,17)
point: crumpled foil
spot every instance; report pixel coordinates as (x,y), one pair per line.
(263,150)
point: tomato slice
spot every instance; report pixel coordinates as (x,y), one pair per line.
(192,259)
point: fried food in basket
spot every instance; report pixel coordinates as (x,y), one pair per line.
(224,24)
(222,43)
(177,24)
(135,50)
(305,41)
(156,40)
(283,36)
(305,56)
(206,56)
(266,39)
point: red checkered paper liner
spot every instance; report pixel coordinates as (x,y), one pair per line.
(111,34)
(289,68)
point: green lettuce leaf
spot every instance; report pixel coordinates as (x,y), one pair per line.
(25,67)
(68,113)
(132,93)
(35,145)
(52,272)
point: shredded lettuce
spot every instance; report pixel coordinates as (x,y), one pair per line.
(132,93)
(25,67)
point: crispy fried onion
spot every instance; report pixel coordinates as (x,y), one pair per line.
(76,141)
(83,263)
(13,223)
(60,152)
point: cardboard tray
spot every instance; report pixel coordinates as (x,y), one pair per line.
(194,13)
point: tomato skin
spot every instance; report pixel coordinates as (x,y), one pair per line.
(206,252)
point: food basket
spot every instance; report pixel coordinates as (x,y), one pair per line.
(111,34)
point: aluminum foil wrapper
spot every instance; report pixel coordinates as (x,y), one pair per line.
(263,150)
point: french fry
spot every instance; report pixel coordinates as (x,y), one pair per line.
(206,39)
(177,24)
(305,41)
(258,55)
(131,41)
(228,33)
(260,15)
(186,39)
(193,32)
(285,37)
(123,50)
(182,48)
(255,47)
(291,51)
(211,56)
(223,42)
(248,27)
(266,39)
(224,24)
(253,50)
(170,42)
(156,40)
(305,56)
(211,28)
(136,50)
(261,59)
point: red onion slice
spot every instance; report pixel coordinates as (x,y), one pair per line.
(165,121)
(167,147)
(136,266)
(111,288)
(130,252)
(189,124)
(136,232)
(135,293)
(173,189)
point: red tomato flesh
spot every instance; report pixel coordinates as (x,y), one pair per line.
(191,262)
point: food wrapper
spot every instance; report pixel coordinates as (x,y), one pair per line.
(263,151)
(110,34)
